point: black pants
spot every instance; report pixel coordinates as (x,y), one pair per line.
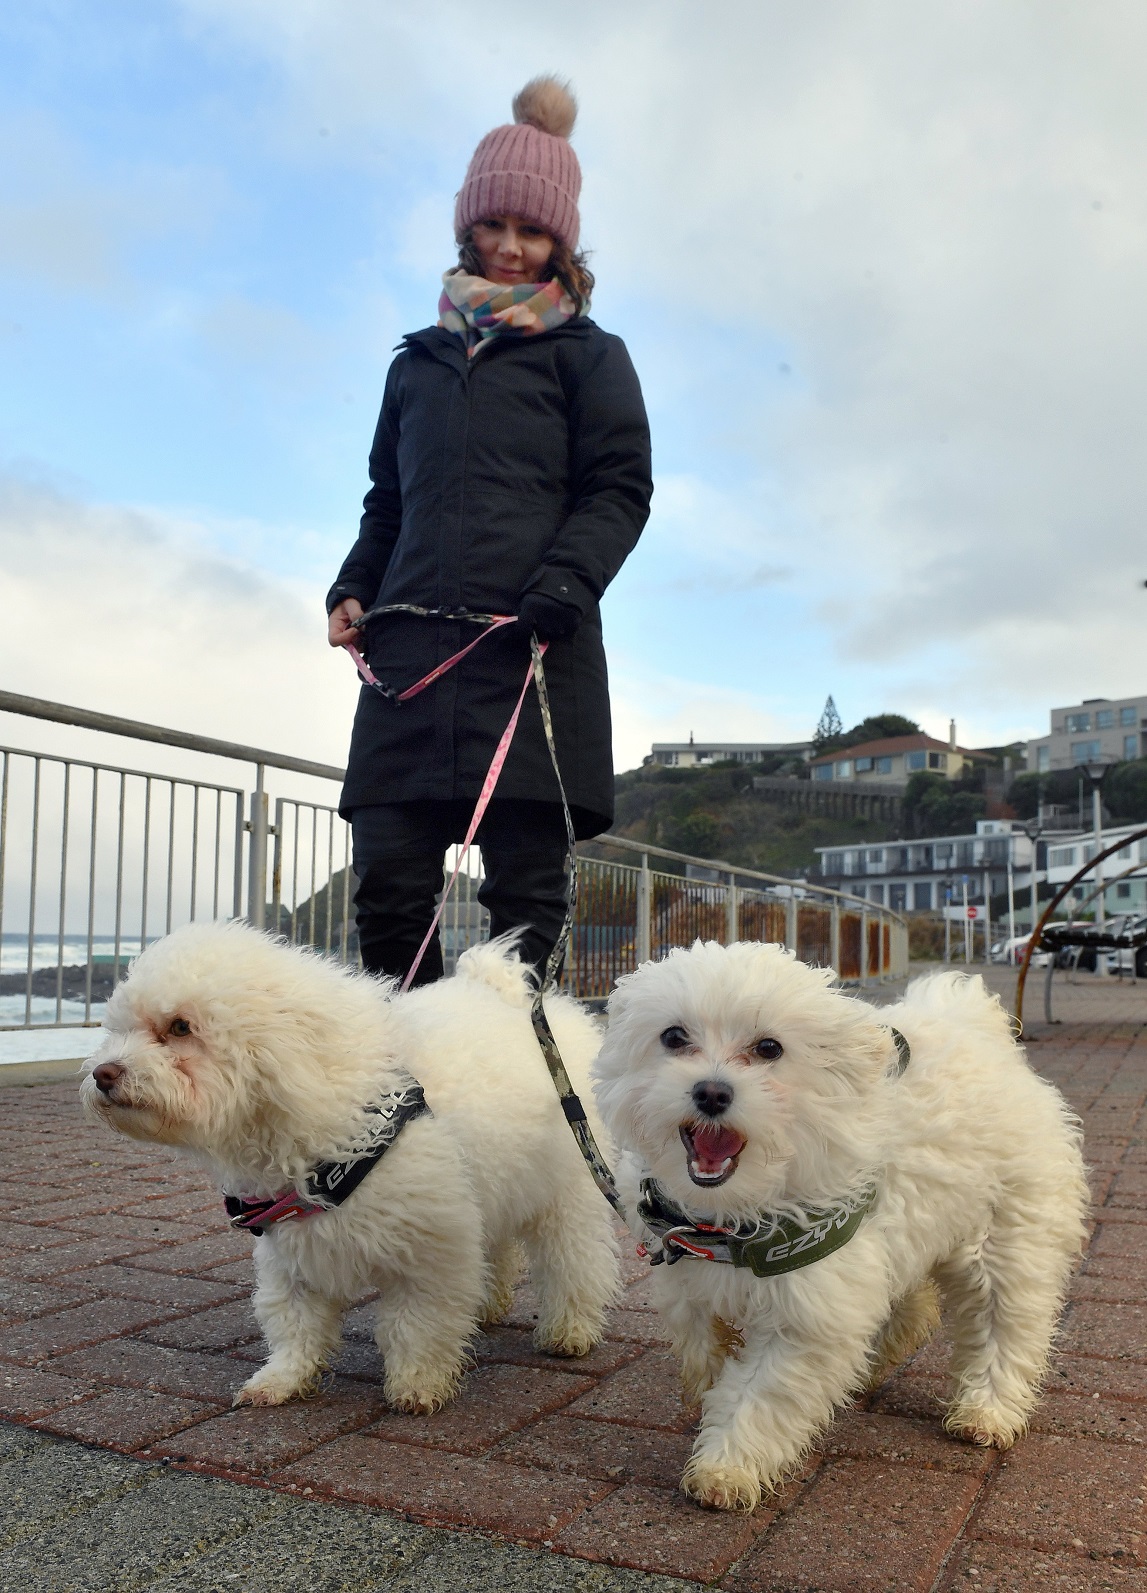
(399,848)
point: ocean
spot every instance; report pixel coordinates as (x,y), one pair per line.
(44,1041)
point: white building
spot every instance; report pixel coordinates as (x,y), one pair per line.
(925,875)
(698,754)
(1097,730)
(1124,874)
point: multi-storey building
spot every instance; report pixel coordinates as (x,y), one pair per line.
(697,754)
(921,876)
(1097,730)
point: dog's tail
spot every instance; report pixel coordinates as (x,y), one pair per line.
(959,998)
(498,965)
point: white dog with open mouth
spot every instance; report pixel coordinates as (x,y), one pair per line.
(856,1157)
(296,1081)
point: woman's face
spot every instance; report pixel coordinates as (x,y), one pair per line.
(511,250)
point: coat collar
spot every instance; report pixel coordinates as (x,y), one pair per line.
(447,347)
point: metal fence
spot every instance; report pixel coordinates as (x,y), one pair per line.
(98,859)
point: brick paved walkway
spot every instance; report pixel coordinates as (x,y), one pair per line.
(125,1325)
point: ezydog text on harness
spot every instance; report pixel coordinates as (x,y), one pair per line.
(330,1183)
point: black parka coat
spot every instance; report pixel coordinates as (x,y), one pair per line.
(523,469)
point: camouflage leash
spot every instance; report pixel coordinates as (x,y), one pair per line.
(571,1105)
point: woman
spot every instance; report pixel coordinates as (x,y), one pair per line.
(510,475)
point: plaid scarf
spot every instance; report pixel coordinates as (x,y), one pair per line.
(477,310)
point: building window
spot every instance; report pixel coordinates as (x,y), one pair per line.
(876,894)
(1124,852)
(996,851)
(883,765)
(822,771)
(1060,856)
(844,769)
(898,897)
(1105,719)
(937,760)
(864,765)
(965,854)
(1085,751)
(858,890)
(1043,759)
(876,856)
(834,862)
(1130,747)
(943,850)
(1123,889)
(1076,724)
(1127,715)
(915,760)
(922,896)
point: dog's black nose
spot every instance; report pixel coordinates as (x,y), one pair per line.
(107,1075)
(712,1097)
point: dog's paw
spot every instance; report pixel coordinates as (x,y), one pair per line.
(982,1425)
(421,1398)
(721,1487)
(572,1340)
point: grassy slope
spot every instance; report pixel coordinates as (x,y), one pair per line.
(716,813)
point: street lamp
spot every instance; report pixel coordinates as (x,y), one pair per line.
(1033,829)
(1095,772)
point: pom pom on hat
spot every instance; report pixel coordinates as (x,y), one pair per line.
(527,168)
(547,104)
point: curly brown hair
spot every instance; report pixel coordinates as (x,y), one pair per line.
(565,265)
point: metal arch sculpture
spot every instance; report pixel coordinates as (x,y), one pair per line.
(1033,939)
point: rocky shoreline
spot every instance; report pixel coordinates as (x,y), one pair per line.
(70,981)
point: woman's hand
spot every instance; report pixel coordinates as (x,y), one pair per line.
(340,629)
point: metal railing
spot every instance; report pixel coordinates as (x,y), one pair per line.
(96,859)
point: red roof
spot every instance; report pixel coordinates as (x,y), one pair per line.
(893,744)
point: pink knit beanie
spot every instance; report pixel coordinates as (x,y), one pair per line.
(527,169)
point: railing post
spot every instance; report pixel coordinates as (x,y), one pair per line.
(834,942)
(644,934)
(792,937)
(732,926)
(277,868)
(257,854)
(863,949)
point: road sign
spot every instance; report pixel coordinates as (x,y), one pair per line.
(973,912)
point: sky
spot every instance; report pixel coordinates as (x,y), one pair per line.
(880,267)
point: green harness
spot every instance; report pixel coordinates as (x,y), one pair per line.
(768,1247)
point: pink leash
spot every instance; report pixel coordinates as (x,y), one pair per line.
(492,773)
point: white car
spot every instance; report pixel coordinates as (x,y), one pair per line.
(1011,952)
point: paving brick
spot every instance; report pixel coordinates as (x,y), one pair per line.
(1114,1331)
(118,1225)
(51,1265)
(871,1435)
(130,1363)
(920,1398)
(180,1205)
(24,1237)
(604,1450)
(198,1255)
(26,1391)
(259,1440)
(995,1568)
(636,1327)
(654,1529)
(69,1205)
(638,1296)
(134,1283)
(1087,1375)
(126,1418)
(516,1347)
(46,1336)
(1094,1283)
(1083,1416)
(860,1529)
(20,1299)
(241,1273)
(446,1489)
(646,1393)
(494,1401)
(1120,1238)
(1054,1494)
(216,1329)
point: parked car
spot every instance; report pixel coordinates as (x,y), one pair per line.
(1011,952)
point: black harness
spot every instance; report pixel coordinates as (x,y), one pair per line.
(330,1183)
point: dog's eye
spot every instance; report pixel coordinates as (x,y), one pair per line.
(179,1027)
(674,1038)
(768,1050)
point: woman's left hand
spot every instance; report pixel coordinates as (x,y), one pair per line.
(547,618)
(340,629)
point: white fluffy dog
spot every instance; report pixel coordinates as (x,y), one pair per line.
(757,1097)
(264,1061)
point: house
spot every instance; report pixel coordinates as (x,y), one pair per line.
(1124,874)
(698,754)
(922,876)
(1097,730)
(894,760)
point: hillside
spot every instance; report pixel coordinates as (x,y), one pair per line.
(715,812)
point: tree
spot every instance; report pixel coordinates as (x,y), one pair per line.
(879,727)
(829,726)
(934,805)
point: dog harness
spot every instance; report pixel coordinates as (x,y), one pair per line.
(769,1246)
(331,1182)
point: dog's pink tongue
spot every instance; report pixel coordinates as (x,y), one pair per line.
(713,1146)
